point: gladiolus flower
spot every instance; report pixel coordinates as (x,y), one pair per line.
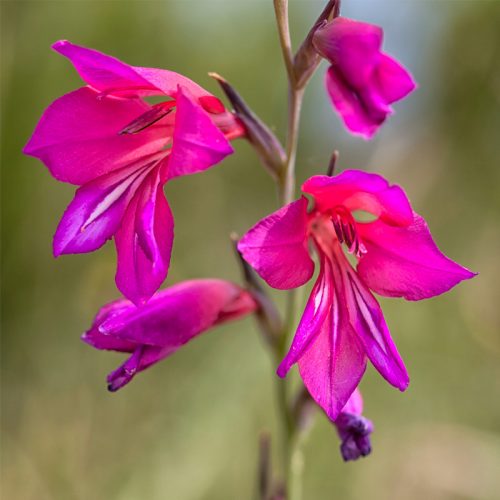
(121,150)
(170,319)
(362,81)
(343,324)
(353,429)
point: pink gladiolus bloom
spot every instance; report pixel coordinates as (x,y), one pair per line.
(343,324)
(353,429)
(169,320)
(121,150)
(362,81)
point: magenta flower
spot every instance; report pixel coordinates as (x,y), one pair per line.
(353,429)
(362,81)
(121,150)
(343,324)
(169,320)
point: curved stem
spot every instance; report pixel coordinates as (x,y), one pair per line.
(281,10)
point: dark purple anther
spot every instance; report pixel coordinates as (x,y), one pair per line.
(150,117)
(354,431)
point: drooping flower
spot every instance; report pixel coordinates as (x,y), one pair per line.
(362,81)
(106,138)
(342,324)
(170,319)
(353,429)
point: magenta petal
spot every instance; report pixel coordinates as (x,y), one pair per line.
(312,321)
(352,46)
(108,74)
(334,363)
(197,142)
(100,70)
(358,118)
(405,261)
(175,315)
(144,242)
(394,81)
(367,319)
(78,136)
(355,404)
(169,320)
(276,247)
(96,212)
(358,190)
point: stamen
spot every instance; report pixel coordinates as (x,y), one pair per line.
(156,113)
(345,229)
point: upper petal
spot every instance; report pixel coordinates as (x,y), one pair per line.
(352,46)
(144,242)
(276,247)
(108,74)
(78,136)
(405,261)
(198,143)
(358,190)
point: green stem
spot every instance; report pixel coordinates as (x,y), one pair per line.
(286,185)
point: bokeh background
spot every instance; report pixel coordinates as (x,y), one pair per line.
(188,428)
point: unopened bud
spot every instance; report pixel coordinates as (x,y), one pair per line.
(354,431)
(266,144)
(307,58)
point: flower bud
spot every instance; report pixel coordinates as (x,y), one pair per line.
(307,58)
(266,144)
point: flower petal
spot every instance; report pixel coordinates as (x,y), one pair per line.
(352,46)
(334,362)
(175,315)
(108,74)
(394,80)
(356,117)
(197,142)
(169,320)
(405,261)
(144,242)
(276,247)
(78,136)
(358,190)
(96,212)
(355,404)
(312,321)
(367,320)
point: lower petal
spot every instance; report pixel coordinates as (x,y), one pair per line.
(144,244)
(352,110)
(367,319)
(334,363)
(96,212)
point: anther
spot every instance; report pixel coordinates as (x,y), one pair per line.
(151,116)
(345,229)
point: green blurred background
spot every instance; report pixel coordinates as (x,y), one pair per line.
(188,428)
